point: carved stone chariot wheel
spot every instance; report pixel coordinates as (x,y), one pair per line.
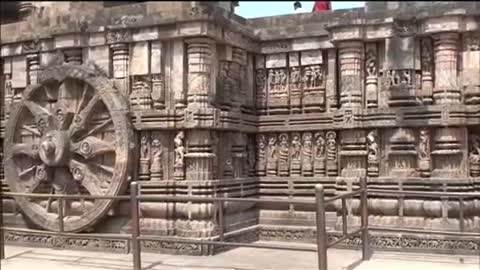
(69,135)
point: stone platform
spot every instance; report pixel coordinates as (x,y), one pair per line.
(20,258)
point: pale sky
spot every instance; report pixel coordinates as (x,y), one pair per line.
(256,9)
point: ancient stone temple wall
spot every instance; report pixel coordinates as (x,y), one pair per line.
(189,99)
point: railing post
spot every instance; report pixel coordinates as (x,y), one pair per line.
(321,228)
(364,219)
(2,238)
(137,264)
(61,214)
(221,222)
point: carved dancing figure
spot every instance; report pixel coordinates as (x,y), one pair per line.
(371,64)
(156,165)
(307,147)
(474,155)
(179,149)
(307,77)
(271,80)
(283,79)
(295,77)
(317,77)
(260,79)
(272,148)
(261,148)
(424,146)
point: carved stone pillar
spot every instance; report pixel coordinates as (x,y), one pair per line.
(199,157)
(331,83)
(200,80)
(73,56)
(272,155)
(350,58)
(261,155)
(373,153)
(239,155)
(33,67)
(446,88)
(471,68)
(157,157)
(120,59)
(427,71)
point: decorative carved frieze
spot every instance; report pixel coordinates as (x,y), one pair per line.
(424,152)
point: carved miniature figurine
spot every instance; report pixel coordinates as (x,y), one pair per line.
(319,146)
(144,170)
(271,80)
(307,155)
(144,151)
(474,155)
(307,77)
(272,160)
(283,148)
(261,154)
(295,77)
(331,145)
(371,64)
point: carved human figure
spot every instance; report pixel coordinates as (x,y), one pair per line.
(272,148)
(372,146)
(261,154)
(317,77)
(319,146)
(260,79)
(295,77)
(179,149)
(144,151)
(474,155)
(156,165)
(307,77)
(282,79)
(424,145)
(271,80)
(283,148)
(296,146)
(371,64)
(331,146)
(307,147)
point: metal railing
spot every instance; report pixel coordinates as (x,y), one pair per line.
(135,237)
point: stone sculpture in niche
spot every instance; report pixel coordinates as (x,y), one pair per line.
(283,153)
(144,170)
(261,155)
(261,87)
(474,155)
(319,155)
(295,90)
(140,98)
(272,159)
(373,153)
(307,155)
(158,91)
(156,168)
(179,166)
(424,159)
(427,71)
(295,163)
(332,165)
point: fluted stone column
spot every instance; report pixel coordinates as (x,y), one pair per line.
(199,157)
(33,67)
(200,55)
(350,58)
(446,89)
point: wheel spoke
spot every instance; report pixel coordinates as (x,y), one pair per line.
(91,147)
(82,118)
(27,149)
(83,174)
(43,117)
(99,127)
(34,131)
(65,106)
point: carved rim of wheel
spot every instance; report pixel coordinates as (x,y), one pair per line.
(70,134)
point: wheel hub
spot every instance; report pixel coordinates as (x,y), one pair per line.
(55,148)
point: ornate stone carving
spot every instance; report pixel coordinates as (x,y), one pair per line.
(156,167)
(424,150)
(350,64)
(261,157)
(261,87)
(446,88)
(373,153)
(331,148)
(33,67)
(283,154)
(77,143)
(179,165)
(471,68)
(144,169)
(251,159)
(313,80)
(277,90)
(118,36)
(319,155)
(296,155)
(295,90)
(272,155)
(200,53)
(140,98)
(307,154)
(158,91)
(474,155)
